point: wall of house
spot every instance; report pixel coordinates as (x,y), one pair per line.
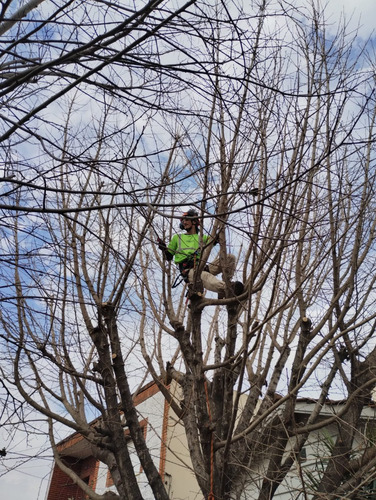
(61,485)
(301,479)
(150,408)
(179,473)
(179,477)
(165,438)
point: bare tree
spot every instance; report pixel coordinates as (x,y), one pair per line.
(117,121)
(297,201)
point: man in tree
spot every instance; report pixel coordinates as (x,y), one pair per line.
(186,248)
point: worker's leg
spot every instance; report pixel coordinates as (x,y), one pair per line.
(215,266)
(209,281)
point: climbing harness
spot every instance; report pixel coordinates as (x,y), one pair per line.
(177,281)
(184,268)
(187,265)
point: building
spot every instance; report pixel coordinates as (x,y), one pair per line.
(302,478)
(166,440)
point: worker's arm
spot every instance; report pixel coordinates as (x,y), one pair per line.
(162,246)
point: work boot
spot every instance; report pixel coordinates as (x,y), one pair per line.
(237,287)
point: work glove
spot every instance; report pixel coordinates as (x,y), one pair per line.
(162,245)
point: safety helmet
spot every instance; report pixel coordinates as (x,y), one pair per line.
(192,215)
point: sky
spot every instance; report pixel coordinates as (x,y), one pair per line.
(361,12)
(30,480)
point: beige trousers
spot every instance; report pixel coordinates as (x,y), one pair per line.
(209,279)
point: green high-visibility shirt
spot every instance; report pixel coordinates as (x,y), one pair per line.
(184,245)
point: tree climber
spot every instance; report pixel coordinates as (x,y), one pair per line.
(186,248)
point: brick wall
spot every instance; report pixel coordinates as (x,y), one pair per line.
(62,486)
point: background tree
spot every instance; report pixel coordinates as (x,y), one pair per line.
(119,119)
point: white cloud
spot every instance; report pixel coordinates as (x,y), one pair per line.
(358,14)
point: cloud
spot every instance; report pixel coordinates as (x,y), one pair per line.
(359,15)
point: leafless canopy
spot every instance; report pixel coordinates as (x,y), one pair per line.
(115,119)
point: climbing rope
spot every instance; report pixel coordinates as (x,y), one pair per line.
(211,493)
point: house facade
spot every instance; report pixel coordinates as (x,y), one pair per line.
(303,477)
(165,438)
